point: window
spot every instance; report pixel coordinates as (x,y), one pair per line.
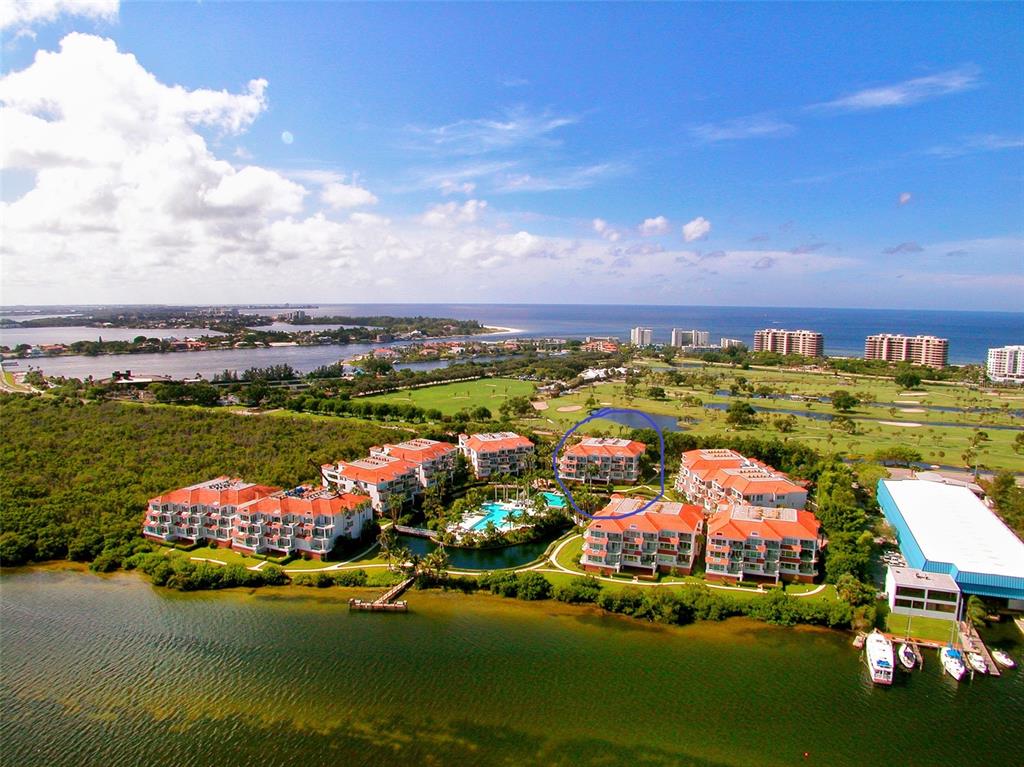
(908,591)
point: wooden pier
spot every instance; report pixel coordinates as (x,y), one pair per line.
(972,642)
(417,532)
(386,602)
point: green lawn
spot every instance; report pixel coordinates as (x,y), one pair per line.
(937,444)
(920,628)
(230,557)
(453,397)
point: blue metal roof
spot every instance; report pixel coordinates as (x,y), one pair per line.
(983,584)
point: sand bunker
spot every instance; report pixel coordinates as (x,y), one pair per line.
(900,423)
(570,408)
(913,394)
(913,410)
(539,405)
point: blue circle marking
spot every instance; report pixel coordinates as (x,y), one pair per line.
(601,414)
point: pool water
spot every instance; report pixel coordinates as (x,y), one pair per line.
(554,500)
(497,512)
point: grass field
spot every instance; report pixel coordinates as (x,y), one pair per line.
(453,397)
(920,628)
(942,445)
(231,557)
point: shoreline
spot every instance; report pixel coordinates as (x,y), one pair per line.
(492,331)
(292,592)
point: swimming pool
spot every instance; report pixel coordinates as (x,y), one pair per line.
(554,500)
(496,512)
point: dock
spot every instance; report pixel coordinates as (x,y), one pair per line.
(417,532)
(386,602)
(972,642)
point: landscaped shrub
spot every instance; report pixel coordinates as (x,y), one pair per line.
(350,577)
(504,584)
(533,586)
(578,590)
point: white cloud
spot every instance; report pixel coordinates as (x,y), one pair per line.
(26,12)
(582,177)
(696,229)
(988,142)
(254,189)
(653,226)
(905,93)
(779,262)
(605,231)
(754,126)
(340,195)
(123,182)
(448,186)
(515,128)
(453,214)
(905,197)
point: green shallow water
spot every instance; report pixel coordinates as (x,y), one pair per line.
(109,671)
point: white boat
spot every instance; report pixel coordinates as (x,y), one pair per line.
(878,651)
(1003,659)
(977,662)
(907,656)
(952,662)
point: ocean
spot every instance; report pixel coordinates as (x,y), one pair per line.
(970,334)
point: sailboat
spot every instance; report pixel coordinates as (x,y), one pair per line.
(1003,659)
(907,656)
(879,657)
(977,662)
(952,662)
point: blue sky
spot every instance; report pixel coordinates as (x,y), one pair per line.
(805,155)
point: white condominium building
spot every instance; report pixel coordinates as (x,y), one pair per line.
(428,455)
(682,337)
(1006,364)
(921,350)
(384,478)
(502,452)
(806,343)
(641,336)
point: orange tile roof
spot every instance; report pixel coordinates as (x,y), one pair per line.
(419,450)
(738,521)
(374,470)
(221,491)
(489,443)
(761,482)
(314,504)
(660,516)
(596,446)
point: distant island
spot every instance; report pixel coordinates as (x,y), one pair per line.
(231,329)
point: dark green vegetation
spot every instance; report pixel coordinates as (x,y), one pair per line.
(676,607)
(1009,498)
(75,479)
(241,330)
(183,574)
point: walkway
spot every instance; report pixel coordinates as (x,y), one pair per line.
(547,563)
(553,557)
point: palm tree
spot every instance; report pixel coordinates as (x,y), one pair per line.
(437,561)
(387,539)
(405,557)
